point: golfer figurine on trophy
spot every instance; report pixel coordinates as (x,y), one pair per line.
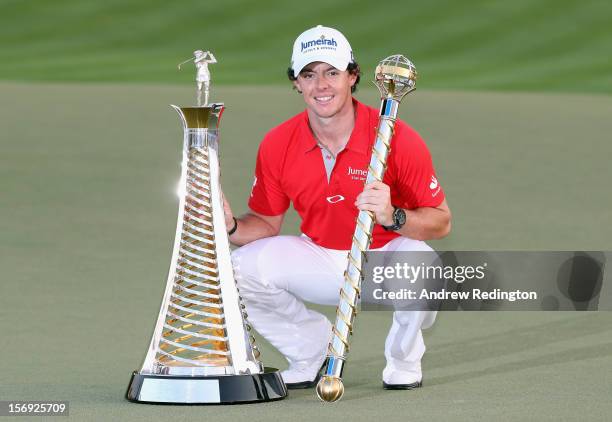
(202,59)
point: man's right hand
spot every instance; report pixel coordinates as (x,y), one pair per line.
(229,215)
(253,225)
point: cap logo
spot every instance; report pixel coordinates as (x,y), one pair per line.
(321,43)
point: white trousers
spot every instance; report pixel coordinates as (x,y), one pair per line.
(276,274)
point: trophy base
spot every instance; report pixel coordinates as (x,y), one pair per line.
(216,389)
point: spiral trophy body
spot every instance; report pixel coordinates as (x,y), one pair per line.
(201,350)
(395,77)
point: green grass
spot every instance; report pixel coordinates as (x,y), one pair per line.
(87,180)
(524,45)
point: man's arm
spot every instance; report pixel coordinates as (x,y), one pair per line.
(251,226)
(427,223)
(421,223)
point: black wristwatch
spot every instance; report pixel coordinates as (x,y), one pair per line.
(399,219)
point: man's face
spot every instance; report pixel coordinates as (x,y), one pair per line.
(326,90)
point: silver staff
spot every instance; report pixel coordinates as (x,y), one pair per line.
(395,77)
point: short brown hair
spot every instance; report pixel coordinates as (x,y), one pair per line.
(353,68)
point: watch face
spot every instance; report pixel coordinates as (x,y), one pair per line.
(399,217)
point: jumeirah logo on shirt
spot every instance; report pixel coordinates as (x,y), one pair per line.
(357,174)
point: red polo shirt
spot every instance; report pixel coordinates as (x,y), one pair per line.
(290,168)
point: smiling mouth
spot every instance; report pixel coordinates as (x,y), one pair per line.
(324,100)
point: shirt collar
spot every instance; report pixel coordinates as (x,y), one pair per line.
(357,141)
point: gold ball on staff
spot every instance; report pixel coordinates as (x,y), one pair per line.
(330,389)
(395,76)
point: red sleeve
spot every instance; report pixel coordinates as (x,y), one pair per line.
(267,196)
(412,172)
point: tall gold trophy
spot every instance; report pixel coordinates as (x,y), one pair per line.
(395,77)
(202,351)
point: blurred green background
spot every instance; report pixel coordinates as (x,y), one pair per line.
(513,101)
(526,45)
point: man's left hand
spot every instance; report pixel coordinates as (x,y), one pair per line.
(376,197)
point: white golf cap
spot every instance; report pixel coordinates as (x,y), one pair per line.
(321,44)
